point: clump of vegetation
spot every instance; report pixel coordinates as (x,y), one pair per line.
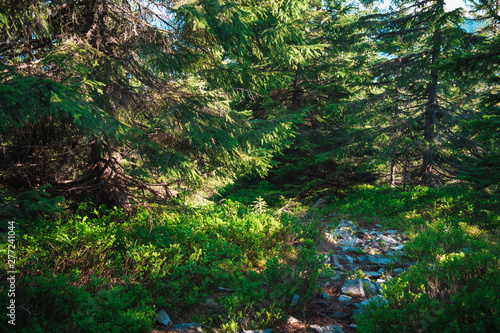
(96,264)
(455,293)
(453,286)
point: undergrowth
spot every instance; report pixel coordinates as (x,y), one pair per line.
(453,233)
(97,270)
(245,264)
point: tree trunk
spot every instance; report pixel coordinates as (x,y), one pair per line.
(393,174)
(431,109)
(109,186)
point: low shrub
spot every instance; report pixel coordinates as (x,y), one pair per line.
(121,309)
(456,293)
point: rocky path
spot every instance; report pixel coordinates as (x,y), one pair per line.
(362,261)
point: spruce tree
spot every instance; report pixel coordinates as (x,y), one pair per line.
(480,65)
(109,99)
(413,109)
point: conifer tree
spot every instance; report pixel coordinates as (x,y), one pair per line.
(413,110)
(99,97)
(482,162)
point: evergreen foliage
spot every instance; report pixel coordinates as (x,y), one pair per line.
(116,114)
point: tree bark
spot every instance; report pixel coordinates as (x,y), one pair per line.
(431,109)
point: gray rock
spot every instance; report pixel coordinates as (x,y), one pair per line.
(267,330)
(323,304)
(338,276)
(344,300)
(393,232)
(398,248)
(390,253)
(335,260)
(292,320)
(187,328)
(371,288)
(379,300)
(210,301)
(347,259)
(346,231)
(346,223)
(327,329)
(378,225)
(355,312)
(349,248)
(371,274)
(163,318)
(354,287)
(389,240)
(398,271)
(339,315)
(379,261)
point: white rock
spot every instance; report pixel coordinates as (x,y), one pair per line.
(327,329)
(354,287)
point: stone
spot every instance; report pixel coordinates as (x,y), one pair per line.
(338,276)
(371,274)
(346,223)
(346,232)
(398,271)
(355,312)
(327,329)
(163,318)
(371,289)
(323,304)
(379,300)
(398,248)
(339,315)
(295,299)
(378,261)
(267,330)
(378,225)
(344,300)
(393,232)
(325,295)
(210,301)
(187,328)
(347,258)
(389,240)
(390,253)
(335,260)
(354,287)
(292,320)
(349,248)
